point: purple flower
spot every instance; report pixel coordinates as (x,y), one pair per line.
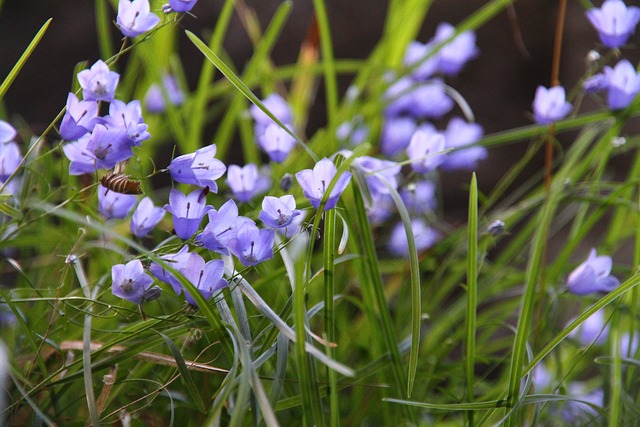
(10,159)
(424,150)
(251,245)
(79,118)
(276,142)
(155,98)
(101,149)
(114,205)
(459,134)
(7,132)
(221,228)
(623,84)
(145,218)
(278,212)
(277,106)
(430,100)
(176,261)
(594,330)
(130,281)
(379,174)
(424,236)
(182,5)
(200,168)
(398,96)
(396,134)
(206,277)
(415,54)
(315,182)
(550,105)
(98,83)
(135,17)
(629,345)
(381,209)
(595,83)
(455,54)
(419,197)
(575,411)
(187,211)
(246,182)
(128,118)
(614,22)
(593,275)
(354,131)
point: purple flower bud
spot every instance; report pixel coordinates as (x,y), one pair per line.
(592,276)
(623,84)
(246,182)
(145,218)
(182,6)
(135,17)
(424,150)
(130,281)
(315,182)
(379,174)
(459,134)
(187,211)
(251,245)
(417,53)
(155,99)
(200,168)
(396,134)
(455,54)
(221,228)
(550,105)
(614,22)
(10,159)
(7,132)
(177,261)
(128,118)
(114,205)
(98,83)
(206,277)
(79,118)
(277,106)
(278,212)
(276,142)
(424,236)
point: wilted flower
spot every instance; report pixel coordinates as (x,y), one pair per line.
(614,22)
(278,212)
(155,100)
(314,183)
(425,150)
(98,83)
(145,217)
(276,142)
(623,84)
(458,135)
(130,281)
(200,168)
(7,132)
(246,182)
(550,105)
(251,245)
(114,205)
(455,54)
(135,17)
(592,276)
(187,211)
(79,118)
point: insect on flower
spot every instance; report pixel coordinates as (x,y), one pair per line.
(121,183)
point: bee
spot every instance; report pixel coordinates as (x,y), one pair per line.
(120,183)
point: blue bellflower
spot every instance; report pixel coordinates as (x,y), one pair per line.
(10,159)
(251,245)
(98,83)
(592,276)
(424,236)
(182,6)
(276,142)
(114,205)
(550,105)
(425,149)
(614,22)
(7,132)
(176,261)
(420,56)
(455,54)
(623,84)
(200,168)
(129,281)
(246,182)
(128,118)
(379,174)
(458,135)
(221,228)
(277,106)
(135,17)
(79,118)
(429,100)
(206,277)
(594,330)
(187,211)
(278,212)
(145,217)
(381,209)
(154,100)
(419,197)
(314,183)
(396,135)
(101,149)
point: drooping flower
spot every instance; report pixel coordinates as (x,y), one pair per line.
(128,118)
(221,227)
(10,159)
(182,5)
(623,84)
(187,211)
(7,132)
(592,276)
(79,118)
(314,183)
(155,99)
(135,17)
(176,261)
(424,237)
(425,150)
(380,175)
(614,22)
(276,142)
(459,134)
(550,105)
(200,168)
(246,182)
(114,205)
(206,277)
(455,54)
(251,245)
(278,212)
(130,281)
(145,217)
(98,83)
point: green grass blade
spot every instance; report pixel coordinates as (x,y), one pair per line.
(103,28)
(329,308)
(328,62)
(472,292)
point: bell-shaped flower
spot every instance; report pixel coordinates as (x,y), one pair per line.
(135,17)
(108,146)
(98,83)
(396,134)
(421,57)
(276,142)
(145,217)
(614,21)
(594,330)
(623,84)
(278,212)
(251,245)
(10,159)
(592,276)
(399,96)
(176,261)
(154,100)
(424,237)
(128,118)
(246,182)
(380,175)
(7,132)
(182,6)
(277,106)
(129,281)
(206,277)
(425,149)
(596,83)
(200,168)
(114,205)
(458,135)
(550,105)
(79,118)
(315,182)
(221,228)
(455,54)
(430,100)
(187,211)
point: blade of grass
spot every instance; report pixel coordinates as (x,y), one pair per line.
(329,255)
(472,293)
(328,62)
(103,26)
